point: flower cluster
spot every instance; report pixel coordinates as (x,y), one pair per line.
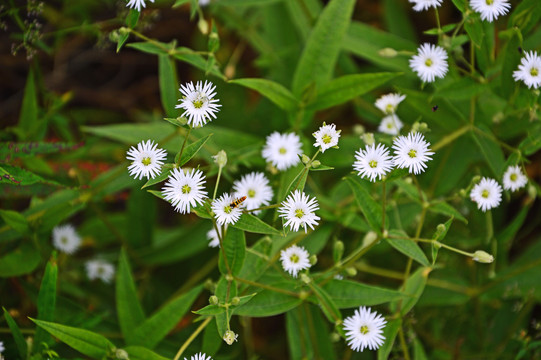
(388,104)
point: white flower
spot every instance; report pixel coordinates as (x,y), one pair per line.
(255,187)
(66,239)
(373,162)
(204,2)
(2,348)
(298,209)
(212,235)
(364,329)
(326,137)
(295,259)
(487,194)
(100,269)
(198,102)
(137,4)
(529,70)
(389,103)
(490,9)
(200,356)
(147,160)
(282,150)
(412,152)
(230,337)
(224,210)
(430,63)
(184,189)
(421,5)
(390,125)
(514,179)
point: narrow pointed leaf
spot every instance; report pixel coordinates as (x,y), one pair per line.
(273,91)
(46,302)
(253,224)
(18,337)
(369,207)
(235,251)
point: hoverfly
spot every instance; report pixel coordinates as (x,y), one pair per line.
(235,203)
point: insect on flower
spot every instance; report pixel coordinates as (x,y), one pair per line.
(237,202)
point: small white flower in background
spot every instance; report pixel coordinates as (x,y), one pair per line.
(200,356)
(373,162)
(255,186)
(137,4)
(529,70)
(390,125)
(389,103)
(431,62)
(282,150)
(2,348)
(66,239)
(514,179)
(294,259)
(364,329)
(212,236)
(184,189)
(100,269)
(326,137)
(198,103)
(490,9)
(147,160)
(412,152)
(298,210)
(421,5)
(487,194)
(224,210)
(230,337)
(204,2)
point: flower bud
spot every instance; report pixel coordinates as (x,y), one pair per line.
(482,257)
(387,52)
(213,300)
(351,271)
(338,251)
(235,301)
(313,260)
(203,26)
(121,354)
(335,337)
(230,337)
(440,228)
(305,159)
(369,238)
(316,164)
(358,130)
(305,278)
(220,158)
(368,138)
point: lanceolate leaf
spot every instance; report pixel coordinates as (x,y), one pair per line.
(191,150)
(349,294)
(29,111)
(268,303)
(20,261)
(369,207)
(46,302)
(235,251)
(250,223)
(409,248)
(389,332)
(275,92)
(168,84)
(22,347)
(86,342)
(141,353)
(129,310)
(320,53)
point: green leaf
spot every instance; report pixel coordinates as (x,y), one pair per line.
(268,303)
(370,208)
(212,341)
(22,347)
(298,182)
(141,210)
(408,247)
(46,302)
(22,260)
(168,84)
(86,342)
(128,308)
(389,332)
(418,351)
(439,236)
(491,151)
(131,21)
(15,220)
(157,326)
(141,353)
(441,207)
(460,5)
(320,53)
(474,28)
(210,310)
(28,119)
(326,303)
(191,150)
(190,57)
(253,224)
(166,170)
(414,288)
(16,176)
(273,91)
(149,48)
(511,59)
(235,250)
(13,150)
(444,29)
(347,87)
(348,294)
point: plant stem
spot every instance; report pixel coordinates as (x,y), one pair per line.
(192,337)
(446,140)
(183,145)
(266,287)
(403,344)
(383,202)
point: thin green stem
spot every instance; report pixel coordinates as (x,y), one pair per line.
(383,202)
(217,182)
(192,337)
(403,344)
(183,145)
(440,32)
(266,287)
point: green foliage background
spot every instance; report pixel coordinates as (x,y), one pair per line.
(279,65)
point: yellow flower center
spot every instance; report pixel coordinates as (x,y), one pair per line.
(485,194)
(146,161)
(489,2)
(326,138)
(186,189)
(282,150)
(101,270)
(389,109)
(534,71)
(373,164)
(64,240)
(299,213)
(251,193)
(513,177)
(294,258)
(227,209)
(199,101)
(364,329)
(390,126)
(412,153)
(428,62)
